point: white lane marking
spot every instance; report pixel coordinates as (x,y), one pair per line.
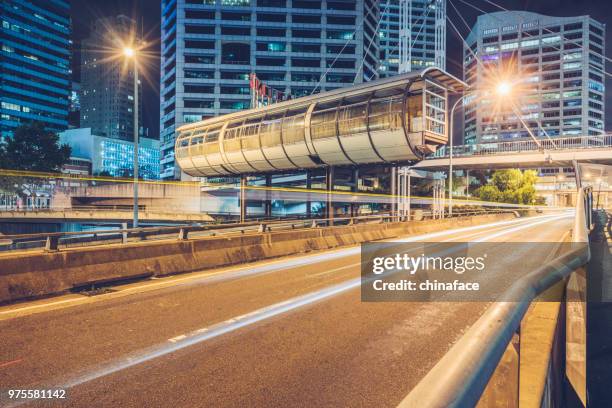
(41,305)
(177,338)
(335,270)
(206,333)
(238,272)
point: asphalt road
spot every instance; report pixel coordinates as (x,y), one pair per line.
(287,332)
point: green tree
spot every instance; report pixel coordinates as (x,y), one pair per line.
(488,193)
(510,186)
(32,148)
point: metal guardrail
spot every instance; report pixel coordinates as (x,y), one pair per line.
(518,146)
(461,376)
(52,241)
(92,208)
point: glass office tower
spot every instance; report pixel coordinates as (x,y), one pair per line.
(35,75)
(421,42)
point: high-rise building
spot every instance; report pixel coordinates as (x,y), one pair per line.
(555,67)
(107,79)
(34,63)
(420,43)
(210,47)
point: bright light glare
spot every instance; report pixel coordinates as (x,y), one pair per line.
(503,89)
(128,52)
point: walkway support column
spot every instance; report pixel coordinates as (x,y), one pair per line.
(354,189)
(242,198)
(308,187)
(268,197)
(329,187)
(393,190)
(408,189)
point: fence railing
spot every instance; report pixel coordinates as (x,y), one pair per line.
(89,208)
(54,241)
(518,146)
(462,375)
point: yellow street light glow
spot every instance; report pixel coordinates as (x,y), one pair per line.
(503,88)
(128,52)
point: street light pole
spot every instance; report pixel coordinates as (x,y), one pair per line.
(502,89)
(450,157)
(130,53)
(136,137)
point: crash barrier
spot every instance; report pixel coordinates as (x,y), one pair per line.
(26,275)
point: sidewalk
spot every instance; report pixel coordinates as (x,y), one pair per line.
(599,313)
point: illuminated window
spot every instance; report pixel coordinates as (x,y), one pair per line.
(530,43)
(551,40)
(509,46)
(572,65)
(241,3)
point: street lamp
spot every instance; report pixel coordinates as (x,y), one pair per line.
(503,88)
(130,53)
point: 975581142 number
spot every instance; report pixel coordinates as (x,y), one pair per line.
(37,394)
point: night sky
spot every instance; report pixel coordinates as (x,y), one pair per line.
(148,12)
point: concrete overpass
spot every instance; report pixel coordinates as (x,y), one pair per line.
(559,152)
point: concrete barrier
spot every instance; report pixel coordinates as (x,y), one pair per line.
(40,274)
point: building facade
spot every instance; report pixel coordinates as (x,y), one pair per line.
(422,41)
(111,156)
(34,63)
(555,67)
(107,79)
(388,35)
(210,47)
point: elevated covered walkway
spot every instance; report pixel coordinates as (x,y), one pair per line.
(392,120)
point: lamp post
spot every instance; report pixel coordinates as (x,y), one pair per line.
(450,156)
(131,54)
(502,89)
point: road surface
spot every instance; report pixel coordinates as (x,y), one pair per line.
(286,332)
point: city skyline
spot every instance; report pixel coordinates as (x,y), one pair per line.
(84,12)
(305,229)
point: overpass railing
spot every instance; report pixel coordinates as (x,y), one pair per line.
(518,146)
(54,241)
(461,377)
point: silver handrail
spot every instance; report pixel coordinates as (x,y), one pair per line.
(494,147)
(461,376)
